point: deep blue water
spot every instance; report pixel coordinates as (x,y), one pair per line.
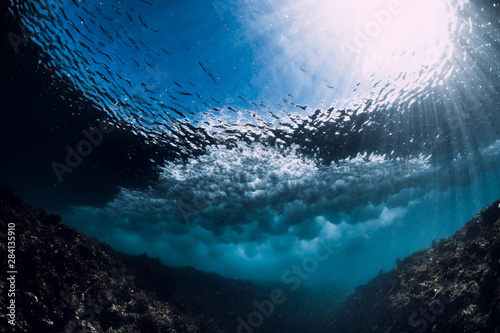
(369,126)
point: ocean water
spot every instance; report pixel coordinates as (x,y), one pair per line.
(336,136)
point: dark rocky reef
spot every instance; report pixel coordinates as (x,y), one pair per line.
(67,282)
(454,286)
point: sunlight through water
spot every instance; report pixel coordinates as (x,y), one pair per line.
(362,122)
(403,43)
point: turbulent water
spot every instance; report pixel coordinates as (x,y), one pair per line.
(371,127)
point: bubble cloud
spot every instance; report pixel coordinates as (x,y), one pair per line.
(252,211)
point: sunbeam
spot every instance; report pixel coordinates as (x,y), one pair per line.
(277,124)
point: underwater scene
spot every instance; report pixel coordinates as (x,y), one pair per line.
(250,166)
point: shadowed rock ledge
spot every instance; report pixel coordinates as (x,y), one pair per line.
(67,282)
(454,286)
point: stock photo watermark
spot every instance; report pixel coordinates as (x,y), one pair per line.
(11,273)
(25,37)
(74,157)
(428,314)
(157,77)
(379,20)
(96,304)
(222,7)
(292,278)
(198,203)
(16,40)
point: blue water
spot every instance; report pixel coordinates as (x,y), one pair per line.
(286,141)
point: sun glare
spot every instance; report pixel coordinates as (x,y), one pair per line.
(396,36)
(345,42)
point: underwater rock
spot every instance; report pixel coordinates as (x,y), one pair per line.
(67,282)
(454,286)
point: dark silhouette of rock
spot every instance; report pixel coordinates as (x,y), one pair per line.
(454,286)
(67,282)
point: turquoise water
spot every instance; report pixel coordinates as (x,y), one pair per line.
(371,127)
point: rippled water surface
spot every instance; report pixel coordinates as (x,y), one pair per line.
(372,125)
